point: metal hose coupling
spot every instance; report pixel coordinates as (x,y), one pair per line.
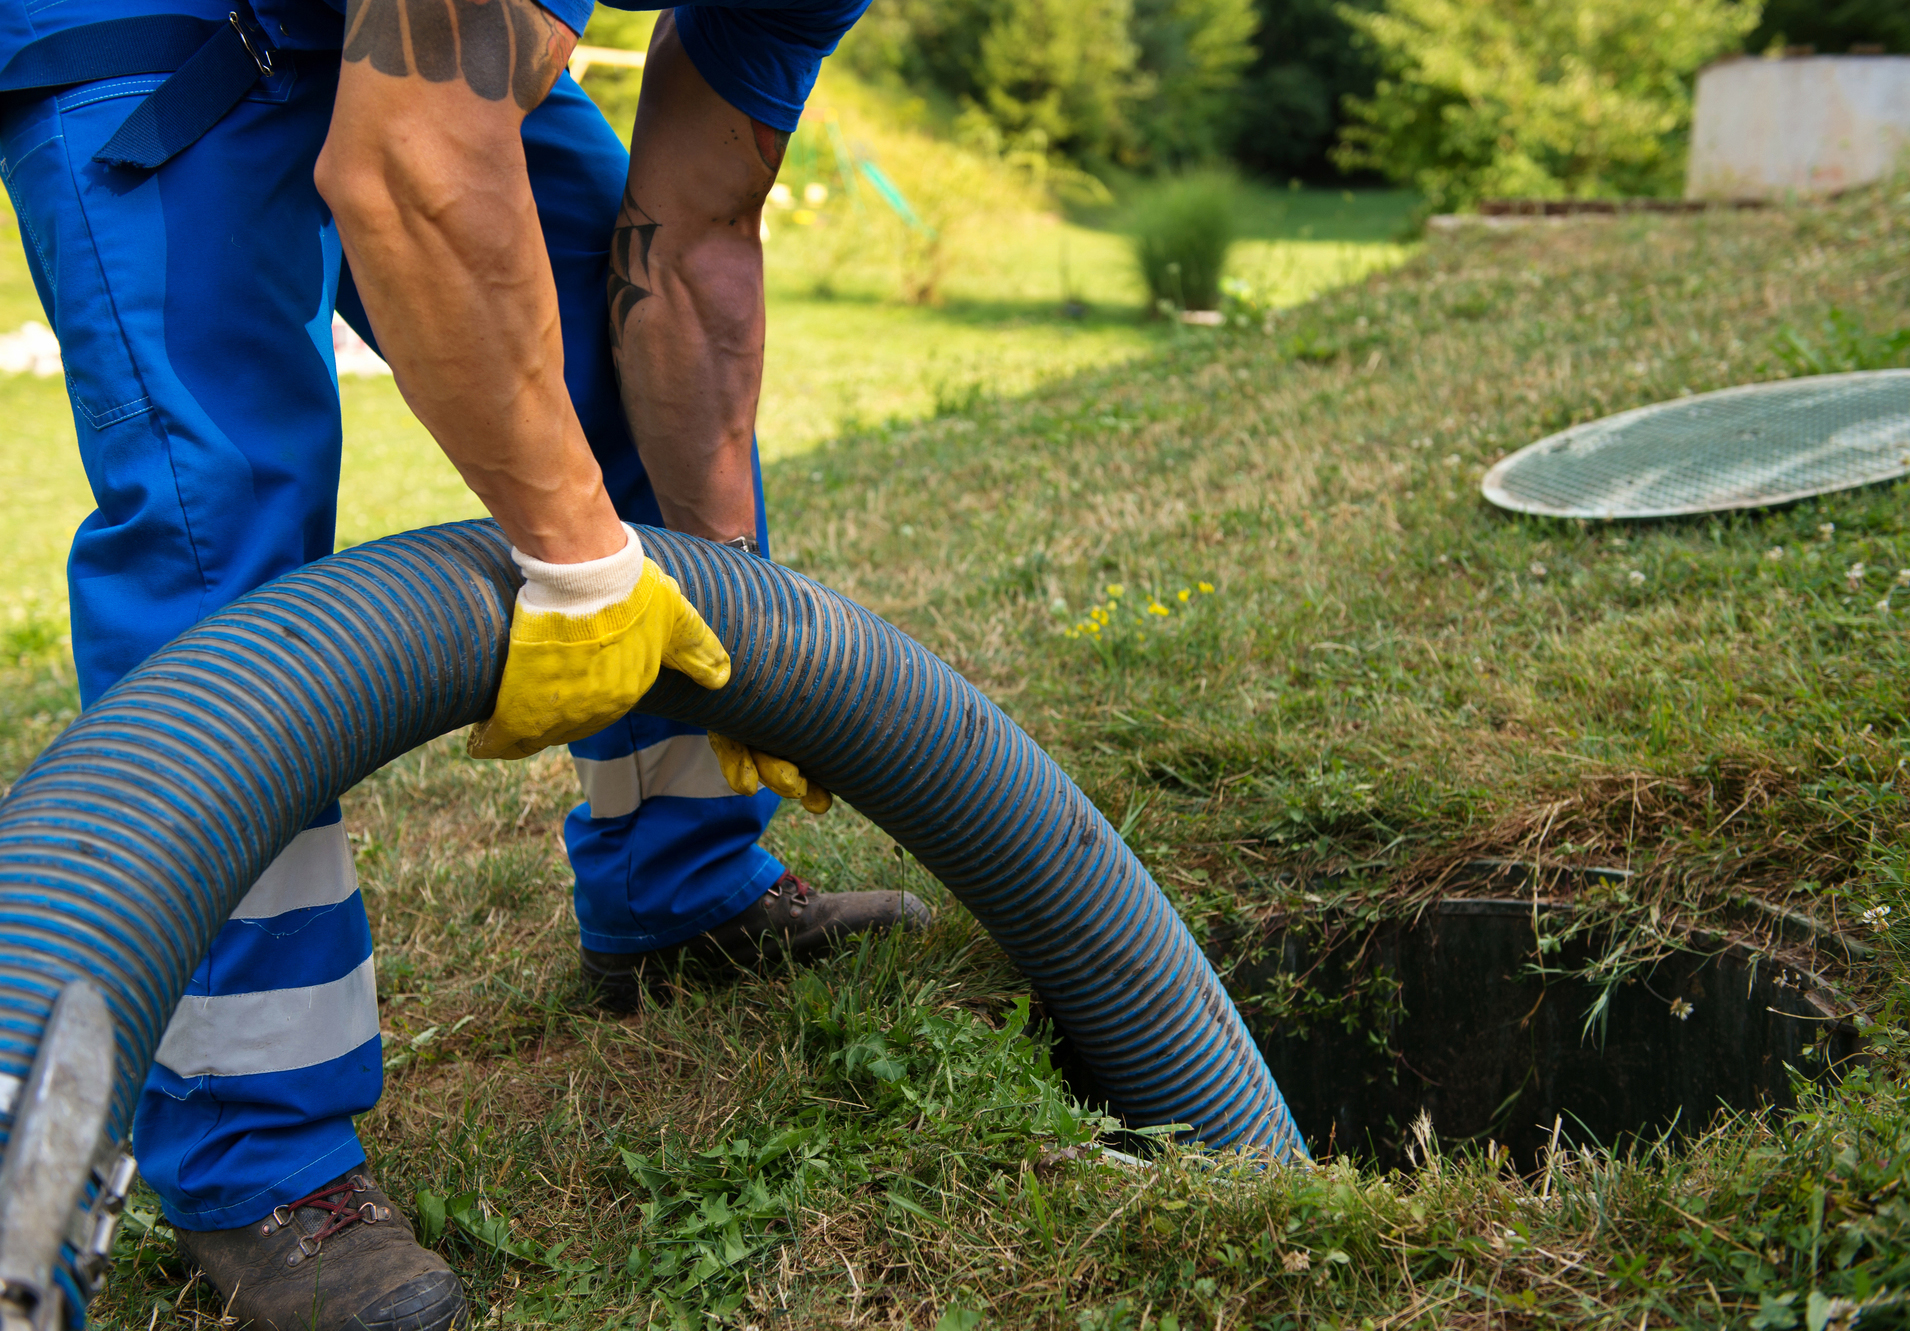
(64,1180)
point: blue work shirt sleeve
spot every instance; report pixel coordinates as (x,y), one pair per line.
(761,56)
(573,14)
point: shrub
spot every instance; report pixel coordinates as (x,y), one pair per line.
(1535,98)
(1182,231)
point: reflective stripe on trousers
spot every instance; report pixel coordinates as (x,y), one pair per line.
(272,1050)
(682,765)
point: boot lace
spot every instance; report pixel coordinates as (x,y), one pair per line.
(335,1200)
(793,887)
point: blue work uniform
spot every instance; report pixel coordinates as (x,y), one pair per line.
(193,305)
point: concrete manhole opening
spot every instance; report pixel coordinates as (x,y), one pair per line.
(1366,1025)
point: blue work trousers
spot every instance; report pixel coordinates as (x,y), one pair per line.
(193,306)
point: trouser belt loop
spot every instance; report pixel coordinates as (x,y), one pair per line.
(210,83)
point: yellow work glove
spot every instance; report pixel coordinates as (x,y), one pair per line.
(749,770)
(587,641)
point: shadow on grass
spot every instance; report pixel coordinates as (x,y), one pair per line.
(1368,216)
(1001,313)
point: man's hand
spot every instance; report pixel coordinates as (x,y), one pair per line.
(587,641)
(749,770)
(424,170)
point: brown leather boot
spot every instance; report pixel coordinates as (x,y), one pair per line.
(342,1259)
(792,919)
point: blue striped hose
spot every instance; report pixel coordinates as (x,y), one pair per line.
(129,841)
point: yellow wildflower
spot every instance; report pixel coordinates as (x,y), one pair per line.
(1183,593)
(1117,589)
(1205,586)
(1156,608)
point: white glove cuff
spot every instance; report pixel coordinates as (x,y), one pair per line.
(579,589)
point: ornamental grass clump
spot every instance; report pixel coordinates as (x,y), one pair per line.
(1182,231)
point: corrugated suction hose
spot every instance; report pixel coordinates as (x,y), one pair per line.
(129,841)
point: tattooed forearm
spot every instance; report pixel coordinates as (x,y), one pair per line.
(629,264)
(499,47)
(771,144)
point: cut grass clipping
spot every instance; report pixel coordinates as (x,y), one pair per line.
(1388,679)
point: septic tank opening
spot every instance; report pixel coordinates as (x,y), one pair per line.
(1449,1013)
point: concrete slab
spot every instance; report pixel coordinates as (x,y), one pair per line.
(1799,125)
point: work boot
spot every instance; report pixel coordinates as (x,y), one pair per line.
(342,1259)
(792,919)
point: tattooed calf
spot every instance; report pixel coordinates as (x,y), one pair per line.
(499,47)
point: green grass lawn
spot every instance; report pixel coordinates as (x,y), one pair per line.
(859,357)
(1390,678)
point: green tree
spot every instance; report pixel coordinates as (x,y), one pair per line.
(929,48)
(1834,26)
(1139,82)
(1307,63)
(1060,72)
(1535,98)
(1044,74)
(1194,53)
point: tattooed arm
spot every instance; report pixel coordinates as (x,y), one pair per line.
(424,170)
(686,291)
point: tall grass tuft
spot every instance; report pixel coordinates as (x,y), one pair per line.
(1182,230)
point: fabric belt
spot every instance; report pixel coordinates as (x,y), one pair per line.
(213,66)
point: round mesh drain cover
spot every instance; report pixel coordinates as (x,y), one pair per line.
(1737,448)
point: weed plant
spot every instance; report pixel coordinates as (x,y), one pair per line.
(1391,680)
(1123,632)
